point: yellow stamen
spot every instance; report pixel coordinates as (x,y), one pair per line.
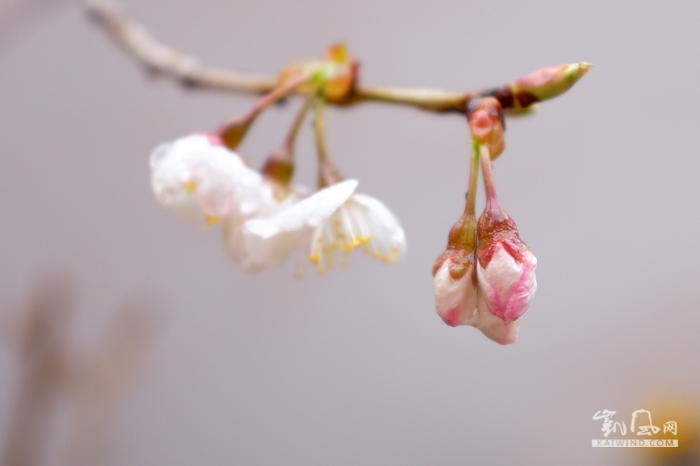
(315,258)
(211,219)
(350,245)
(190,186)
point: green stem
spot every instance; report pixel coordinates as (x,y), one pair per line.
(327,173)
(298,120)
(319,130)
(470,208)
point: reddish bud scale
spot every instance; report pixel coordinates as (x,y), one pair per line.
(232,133)
(279,167)
(496,227)
(461,244)
(462,262)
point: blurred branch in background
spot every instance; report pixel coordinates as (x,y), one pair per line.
(50,372)
(40,336)
(18,16)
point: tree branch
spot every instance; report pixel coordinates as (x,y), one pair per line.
(516,98)
(162,59)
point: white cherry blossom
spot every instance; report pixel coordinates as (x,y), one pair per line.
(362,221)
(200,179)
(268,241)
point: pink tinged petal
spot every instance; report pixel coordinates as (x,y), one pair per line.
(225,185)
(508,286)
(455,300)
(492,326)
(270,240)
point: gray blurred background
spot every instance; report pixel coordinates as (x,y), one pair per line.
(355,367)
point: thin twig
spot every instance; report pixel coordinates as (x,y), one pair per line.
(162,59)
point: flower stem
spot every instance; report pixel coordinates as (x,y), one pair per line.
(470,208)
(280,165)
(319,130)
(327,173)
(298,120)
(488,175)
(233,132)
(276,94)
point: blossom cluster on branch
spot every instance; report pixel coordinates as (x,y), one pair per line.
(265,215)
(486,276)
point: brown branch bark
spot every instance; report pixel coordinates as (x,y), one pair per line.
(162,59)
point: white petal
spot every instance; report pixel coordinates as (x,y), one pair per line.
(235,245)
(387,233)
(270,240)
(270,204)
(158,154)
(225,186)
(307,213)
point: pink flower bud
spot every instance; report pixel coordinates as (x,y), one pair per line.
(506,266)
(455,276)
(547,83)
(455,288)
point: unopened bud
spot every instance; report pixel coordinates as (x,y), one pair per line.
(543,84)
(336,75)
(233,132)
(494,327)
(485,118)
(342,75)
(279,167)
(454,275)
(505,265)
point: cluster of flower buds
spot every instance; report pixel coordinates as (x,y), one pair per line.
(264,215)
(486,277)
